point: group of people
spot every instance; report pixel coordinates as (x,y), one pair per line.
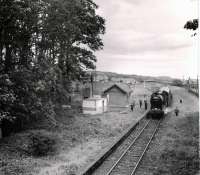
(132,105)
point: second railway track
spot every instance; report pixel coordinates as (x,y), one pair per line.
(128,155)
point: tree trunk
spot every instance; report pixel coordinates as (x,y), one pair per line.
(8,59)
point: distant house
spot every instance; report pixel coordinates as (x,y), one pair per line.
(115,79)
(119,95)
(101,77)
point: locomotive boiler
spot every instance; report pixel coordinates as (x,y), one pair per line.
(159,101)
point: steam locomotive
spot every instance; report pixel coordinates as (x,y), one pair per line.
(159,101)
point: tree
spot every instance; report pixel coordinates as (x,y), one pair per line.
(44,45)
(177,82)
(72,31)
(18,23)
(192,25)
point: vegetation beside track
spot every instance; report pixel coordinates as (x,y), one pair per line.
(174,150)
(181,156)
(78,140)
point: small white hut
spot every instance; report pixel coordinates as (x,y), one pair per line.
(95,105)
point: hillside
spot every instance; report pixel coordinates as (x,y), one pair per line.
(105,76)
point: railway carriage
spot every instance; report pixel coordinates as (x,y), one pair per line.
(159,101)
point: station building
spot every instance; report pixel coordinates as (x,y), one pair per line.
(118,94)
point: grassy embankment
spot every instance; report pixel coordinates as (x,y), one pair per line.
(79,139)
(181,145)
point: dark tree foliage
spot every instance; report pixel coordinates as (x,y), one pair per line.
(192,24)
(44,45)
(177,82)
(72,33)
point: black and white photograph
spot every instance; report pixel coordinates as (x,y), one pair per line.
(99,87)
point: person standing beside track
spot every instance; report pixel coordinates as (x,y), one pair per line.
(140,102)
(145,104)
(131,107)
(176,111)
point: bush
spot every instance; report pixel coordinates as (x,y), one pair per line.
(177,82)
(41,143)
(29,94)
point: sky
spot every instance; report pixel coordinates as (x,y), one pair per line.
(146,37)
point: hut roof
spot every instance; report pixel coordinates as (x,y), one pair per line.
(123,87)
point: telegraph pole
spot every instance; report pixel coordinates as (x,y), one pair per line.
(188,83)
(197,85)
(91,81)
(144,84)
(95,78)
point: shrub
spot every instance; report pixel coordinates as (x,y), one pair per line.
(72,169)
(177,82)
(41,143)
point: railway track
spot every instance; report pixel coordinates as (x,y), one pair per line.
(126,158)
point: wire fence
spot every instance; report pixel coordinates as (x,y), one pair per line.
(193,88)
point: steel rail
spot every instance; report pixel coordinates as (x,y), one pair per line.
(111,169)
(138,162)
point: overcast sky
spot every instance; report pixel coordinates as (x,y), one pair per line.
(146,37)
